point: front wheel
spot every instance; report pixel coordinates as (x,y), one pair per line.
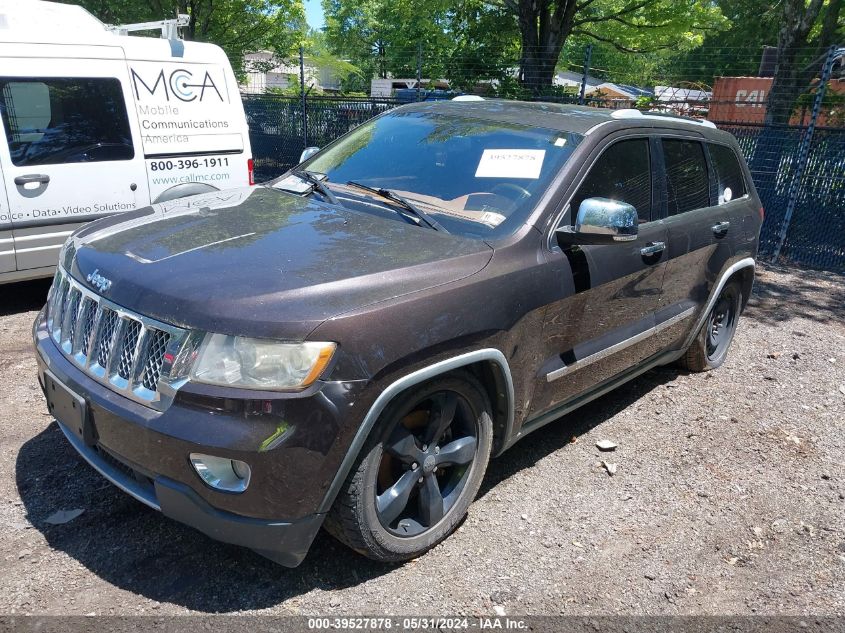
(419,471)
(710,347)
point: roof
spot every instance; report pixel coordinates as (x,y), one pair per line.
(568,76)
(553,116)
(36,21)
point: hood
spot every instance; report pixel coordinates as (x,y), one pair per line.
(264,263)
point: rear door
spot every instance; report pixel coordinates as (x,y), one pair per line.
(606,326)
(69,154)
(701,230)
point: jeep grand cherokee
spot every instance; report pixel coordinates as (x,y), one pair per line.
(349,344)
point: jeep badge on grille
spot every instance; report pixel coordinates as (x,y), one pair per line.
(98,281)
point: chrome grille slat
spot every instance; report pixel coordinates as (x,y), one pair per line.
(69,319)
(105,337)
(155,359)
(84,327)
(128,352)
(128,348)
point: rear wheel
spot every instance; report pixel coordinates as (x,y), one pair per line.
(419,471)
(710,347)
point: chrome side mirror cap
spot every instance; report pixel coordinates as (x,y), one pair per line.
(601,221)
(307,153)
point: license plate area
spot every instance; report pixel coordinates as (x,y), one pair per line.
(68,408)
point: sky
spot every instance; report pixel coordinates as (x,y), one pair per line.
(314,13)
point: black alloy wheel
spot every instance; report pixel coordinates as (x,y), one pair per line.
(419,471)
(425,464)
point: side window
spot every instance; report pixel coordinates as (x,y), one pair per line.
(622,172)
(730,181)
(687,180)
(53,121)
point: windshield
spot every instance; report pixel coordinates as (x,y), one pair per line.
(477,177)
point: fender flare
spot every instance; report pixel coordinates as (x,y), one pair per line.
(747,262)
(400,385)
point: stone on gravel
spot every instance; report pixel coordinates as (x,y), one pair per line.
(499,610)
(610,468)
(606,445)
(63,516)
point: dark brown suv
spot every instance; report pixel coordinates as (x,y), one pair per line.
(352,342)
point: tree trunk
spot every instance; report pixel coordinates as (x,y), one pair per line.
(790,79)
(544,27)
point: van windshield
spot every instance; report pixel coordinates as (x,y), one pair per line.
(477,177)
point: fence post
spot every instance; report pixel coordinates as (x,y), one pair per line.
(588,56)
(804,151)
(419,68)
(302,95)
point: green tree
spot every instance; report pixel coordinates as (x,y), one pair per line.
(807,29)
(385,36)
(630,26)
(237,26)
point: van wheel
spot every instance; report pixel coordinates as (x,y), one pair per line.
(419,471)
(710,347)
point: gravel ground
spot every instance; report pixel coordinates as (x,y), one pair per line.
(729,498)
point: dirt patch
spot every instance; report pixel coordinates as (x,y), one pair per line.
(728,498)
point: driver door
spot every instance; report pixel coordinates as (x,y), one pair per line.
(604,327)
(69,154)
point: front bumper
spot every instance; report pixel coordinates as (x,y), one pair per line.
(293,443)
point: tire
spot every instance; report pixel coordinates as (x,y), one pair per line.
(710,347)
(383,510)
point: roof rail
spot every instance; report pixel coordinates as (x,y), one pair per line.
(169,28)
(626,113)
(631,113)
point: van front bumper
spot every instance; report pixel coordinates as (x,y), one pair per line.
(294,446)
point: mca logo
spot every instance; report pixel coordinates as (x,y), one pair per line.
(98,281)
(180,84)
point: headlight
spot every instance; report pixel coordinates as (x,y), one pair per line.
(252,363)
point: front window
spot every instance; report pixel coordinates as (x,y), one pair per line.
(477,177)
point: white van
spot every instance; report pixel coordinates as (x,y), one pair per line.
(96,123)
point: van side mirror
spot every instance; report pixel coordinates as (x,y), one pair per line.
(307,153)
(600,221)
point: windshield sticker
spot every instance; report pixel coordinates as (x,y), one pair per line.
(560,141)
(511,163)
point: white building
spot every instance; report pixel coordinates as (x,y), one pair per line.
(266,70)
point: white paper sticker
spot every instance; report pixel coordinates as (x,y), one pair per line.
(728,194)
(511,163)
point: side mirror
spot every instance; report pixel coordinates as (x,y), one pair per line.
(600,221)
(307,153)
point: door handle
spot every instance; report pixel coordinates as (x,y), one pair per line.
(653,248)
(720,228)
(30,178)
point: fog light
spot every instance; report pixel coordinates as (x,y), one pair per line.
(231,475)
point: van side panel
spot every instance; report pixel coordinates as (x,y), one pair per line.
(70,152)
(193,128)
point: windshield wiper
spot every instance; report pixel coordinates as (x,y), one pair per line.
(318,184)
(404,203)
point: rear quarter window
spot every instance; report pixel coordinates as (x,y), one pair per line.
(730,180)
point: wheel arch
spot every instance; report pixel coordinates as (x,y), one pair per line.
(743,269)
(491,368)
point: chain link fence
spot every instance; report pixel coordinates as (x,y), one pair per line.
(797,163)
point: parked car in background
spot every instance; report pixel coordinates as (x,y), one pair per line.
(352,342)
(97,123)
